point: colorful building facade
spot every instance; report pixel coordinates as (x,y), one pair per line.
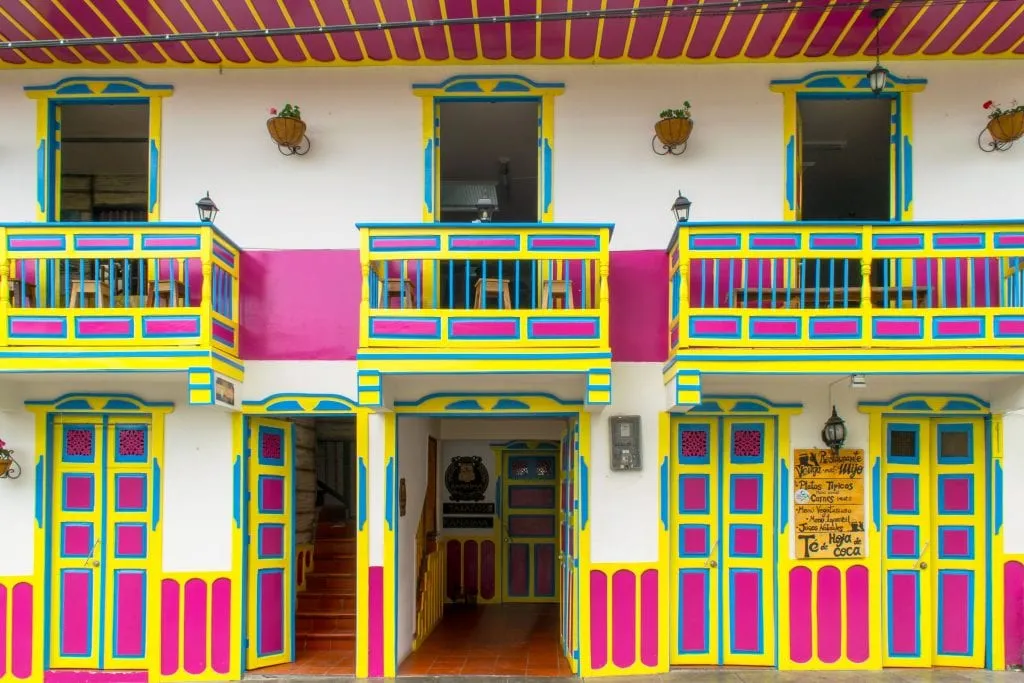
(463,306)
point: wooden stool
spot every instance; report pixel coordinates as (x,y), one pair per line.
(556,291)
(163,291)
(90,289)
(396,288)
(15,294)
(491,287)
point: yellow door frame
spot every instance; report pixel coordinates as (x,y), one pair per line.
(719,413)
(476,405)
(504,509)
(88,408)
(305,405)
(929,411)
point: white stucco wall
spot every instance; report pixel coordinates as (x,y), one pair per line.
(1013,483)
(366,162)
(196,476)
(18,496)
(412,466)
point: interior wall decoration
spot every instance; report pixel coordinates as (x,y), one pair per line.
(466,479)
(829,501)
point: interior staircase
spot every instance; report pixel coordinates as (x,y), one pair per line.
(326,615)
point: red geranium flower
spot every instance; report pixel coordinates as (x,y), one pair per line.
(273,110)
(987,105)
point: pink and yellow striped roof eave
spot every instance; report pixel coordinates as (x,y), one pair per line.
(801,30)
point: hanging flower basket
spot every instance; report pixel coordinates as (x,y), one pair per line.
(1004,127)
(1007,128)
(673,130)
(288,130)
(5,465)
(9,468)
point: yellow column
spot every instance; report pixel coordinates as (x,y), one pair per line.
(5,296)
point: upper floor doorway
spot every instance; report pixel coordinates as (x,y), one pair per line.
(100,164)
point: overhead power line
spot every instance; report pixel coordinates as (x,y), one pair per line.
(719,8)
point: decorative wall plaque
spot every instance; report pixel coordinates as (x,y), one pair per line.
(466,478)
(829,501)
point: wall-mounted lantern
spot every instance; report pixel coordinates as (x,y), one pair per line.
(207,209)
(833,434)
(625,443)
(681,208)
(9,467)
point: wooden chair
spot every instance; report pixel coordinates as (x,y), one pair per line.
(400,289)
(165,288)
(22,282)
(91,288)
(489,287)
(557,294)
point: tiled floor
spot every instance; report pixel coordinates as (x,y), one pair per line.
(495,640)
(315,663)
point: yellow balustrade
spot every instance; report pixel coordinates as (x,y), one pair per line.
(430,602)
(97,285)
(846,285)
(448,286)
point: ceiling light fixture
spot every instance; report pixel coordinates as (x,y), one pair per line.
(878,77)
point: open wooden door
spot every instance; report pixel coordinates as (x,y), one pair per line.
(270,632)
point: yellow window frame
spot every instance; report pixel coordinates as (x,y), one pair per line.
(93,90)
(850,85)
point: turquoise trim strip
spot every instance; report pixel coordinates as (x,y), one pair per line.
(156,494)
(876,493)
(236,491)
(783,496)
(154,170)
(39,493)
(361,495)
(389,494)
(999,497)
(584,494)
(664,493)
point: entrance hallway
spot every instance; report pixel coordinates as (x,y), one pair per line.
(492,640)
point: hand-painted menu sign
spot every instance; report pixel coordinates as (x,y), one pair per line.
(829,497)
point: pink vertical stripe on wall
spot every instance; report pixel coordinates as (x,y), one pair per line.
(746,610)
(801,637)
(598,619)
(220,627)
(649,637)
(3,631)
(858,610)
(487,568)
(623,618)
(1013,613)
(170,617)
(830,614)
(453,568)
(21,630)
(470,567)
(195,626)
(544,569)
(375,647)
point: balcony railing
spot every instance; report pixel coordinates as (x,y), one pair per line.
(846,285)
(119,284)
(462,285)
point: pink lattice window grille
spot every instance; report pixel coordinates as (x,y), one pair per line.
(78,442)
(132,442)
(270,446)
(746,443)
(695,443)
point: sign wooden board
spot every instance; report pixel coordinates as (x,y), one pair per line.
(829,500)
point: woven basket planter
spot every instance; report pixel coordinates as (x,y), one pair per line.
(286,131)
(1007,128)
(673,132)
